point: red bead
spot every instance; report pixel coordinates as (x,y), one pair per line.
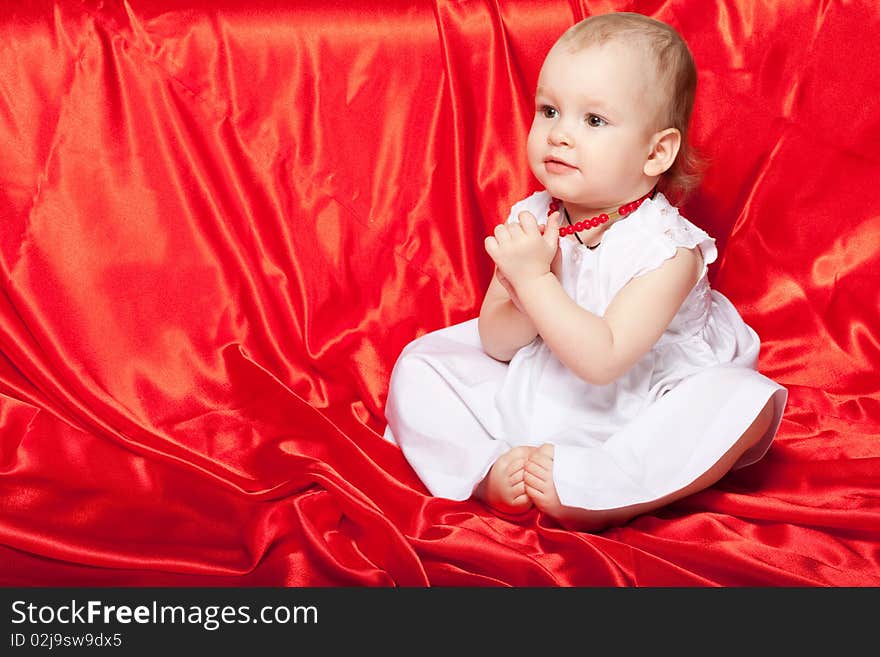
(554,206)
(622,211)
(594,222)
(579,226)
(603,218)
(563,231)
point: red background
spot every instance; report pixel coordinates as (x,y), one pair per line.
(222,221)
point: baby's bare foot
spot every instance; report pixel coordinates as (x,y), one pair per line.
(503,488)
(538,480)
(541,490)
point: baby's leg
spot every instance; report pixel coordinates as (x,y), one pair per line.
(504,488)
(441,410)
(541,490)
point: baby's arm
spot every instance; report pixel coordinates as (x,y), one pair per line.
(504,329)
(600,349)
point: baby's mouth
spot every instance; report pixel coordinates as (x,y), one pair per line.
(555,165)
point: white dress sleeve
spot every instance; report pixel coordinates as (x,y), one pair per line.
(647,239)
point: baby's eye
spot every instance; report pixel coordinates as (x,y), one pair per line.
(595,121)
(548,112)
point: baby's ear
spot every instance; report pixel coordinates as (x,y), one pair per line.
(664,148)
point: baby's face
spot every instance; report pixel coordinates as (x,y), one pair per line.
(594,119)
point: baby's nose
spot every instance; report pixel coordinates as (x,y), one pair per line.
(559,136)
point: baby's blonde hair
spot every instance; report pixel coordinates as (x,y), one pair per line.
(677,78)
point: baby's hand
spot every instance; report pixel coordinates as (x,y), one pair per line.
(522,251)
(556,265)
(511,291)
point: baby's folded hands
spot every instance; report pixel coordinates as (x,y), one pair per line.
(525,249)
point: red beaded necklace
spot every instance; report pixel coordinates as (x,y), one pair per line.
(593,222)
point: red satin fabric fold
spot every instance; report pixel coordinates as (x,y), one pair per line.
(221,222)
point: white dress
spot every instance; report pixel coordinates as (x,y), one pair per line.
(454,410)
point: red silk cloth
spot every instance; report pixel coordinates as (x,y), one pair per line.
(222,221)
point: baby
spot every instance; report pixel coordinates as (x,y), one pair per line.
(603,378)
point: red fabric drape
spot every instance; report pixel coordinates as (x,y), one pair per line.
(222,221)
